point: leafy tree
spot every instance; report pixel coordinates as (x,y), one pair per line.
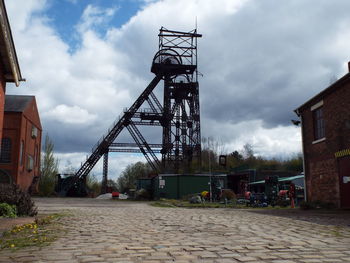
(127,179)
(295,163)
(93,184)
(48,169)
(245,159)
(234,159)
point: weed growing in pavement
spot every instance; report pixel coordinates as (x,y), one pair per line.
(40,233)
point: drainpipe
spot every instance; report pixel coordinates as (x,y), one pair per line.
(303,150)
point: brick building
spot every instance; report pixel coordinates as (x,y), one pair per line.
(9,67)
(21,142)
(325,124)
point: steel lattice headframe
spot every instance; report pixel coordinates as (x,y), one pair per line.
(179,116)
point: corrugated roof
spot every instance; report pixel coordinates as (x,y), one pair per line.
(282,179)
(290,178)
(17,103)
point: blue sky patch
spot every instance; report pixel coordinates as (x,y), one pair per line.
(66,14)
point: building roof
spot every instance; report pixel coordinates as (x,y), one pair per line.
(8,54)
(339,83)
(283,179)
(17,103)
(197,175)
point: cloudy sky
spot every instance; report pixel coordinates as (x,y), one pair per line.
(86,60)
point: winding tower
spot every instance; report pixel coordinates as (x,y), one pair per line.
(179,116)
(177,59)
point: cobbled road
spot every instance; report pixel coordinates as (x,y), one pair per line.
(116,231)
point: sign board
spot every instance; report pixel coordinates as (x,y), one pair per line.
(346,179)
(342,153)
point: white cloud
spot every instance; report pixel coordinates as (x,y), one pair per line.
(70,114)
(116,163)
(260,60)
(281,141)
(94,16)
(21,13)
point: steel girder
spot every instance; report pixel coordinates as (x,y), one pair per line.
(179,116)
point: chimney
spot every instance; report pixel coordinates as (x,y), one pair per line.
(349,66)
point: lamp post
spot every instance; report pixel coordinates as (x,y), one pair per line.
(210,188)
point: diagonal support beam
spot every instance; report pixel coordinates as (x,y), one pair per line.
(102,146)
(136,139)
(145,145)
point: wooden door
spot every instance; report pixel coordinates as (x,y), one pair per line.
(344,181)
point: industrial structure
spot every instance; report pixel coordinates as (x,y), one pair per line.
(178,116)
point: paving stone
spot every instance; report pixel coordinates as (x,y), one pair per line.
(136,232)
(313,256)
(245,259)
(225,260)
(207,255)
(267,257)
(310,260)
(284,261)
(229,255)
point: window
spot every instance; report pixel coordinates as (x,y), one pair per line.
(35,152)
(30,163)
(5,177)
(5,155)
(34,132)
(319,124)
(21,149)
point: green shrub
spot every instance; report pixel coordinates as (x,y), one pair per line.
(13,195)
(47,185)
(93,185)
(7,210)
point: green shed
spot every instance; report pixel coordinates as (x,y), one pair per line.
(176,186)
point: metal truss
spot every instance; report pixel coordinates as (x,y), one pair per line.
(181,128)
(105,173)
(179,117)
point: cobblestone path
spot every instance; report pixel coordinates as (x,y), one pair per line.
(107,231)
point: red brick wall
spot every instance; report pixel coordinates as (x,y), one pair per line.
(11,130)
(18,127)
(2,99)
(321,171)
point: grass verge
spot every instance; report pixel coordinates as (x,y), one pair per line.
(40,233)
